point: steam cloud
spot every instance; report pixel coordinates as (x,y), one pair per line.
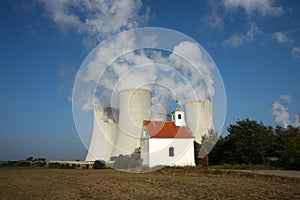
(165,73)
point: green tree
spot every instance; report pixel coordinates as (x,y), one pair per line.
(219,154)
(248,142)
(287,147)
(251,141)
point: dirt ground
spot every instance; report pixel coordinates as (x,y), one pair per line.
(162,184)
(285,173)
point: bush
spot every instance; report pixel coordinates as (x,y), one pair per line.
(99,164)
(55,165)
(39,164)
(127,161)
(73,166)
(64,166)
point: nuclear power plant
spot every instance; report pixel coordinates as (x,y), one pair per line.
(199,117)
(118,131)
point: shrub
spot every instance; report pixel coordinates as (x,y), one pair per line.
(127,161)
(99,164)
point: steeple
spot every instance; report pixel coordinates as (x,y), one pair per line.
(178,115)
(178,108)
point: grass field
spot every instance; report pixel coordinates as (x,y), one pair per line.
(163,184)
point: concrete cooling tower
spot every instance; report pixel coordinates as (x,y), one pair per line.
(104,135)
(134,109)
(159,117)
(199,117)
(111,138)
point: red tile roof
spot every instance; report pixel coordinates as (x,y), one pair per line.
(166,129)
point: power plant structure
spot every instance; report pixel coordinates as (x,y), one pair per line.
(135,107)
(199,117)
(119,131)
(105,131)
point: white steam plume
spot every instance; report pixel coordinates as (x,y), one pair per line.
(151,69)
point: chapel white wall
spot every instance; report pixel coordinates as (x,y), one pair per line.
(159,152)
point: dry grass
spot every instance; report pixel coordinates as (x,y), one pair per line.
(163,184)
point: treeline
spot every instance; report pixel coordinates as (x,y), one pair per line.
(31,162)
(57,165)
(98,164)
(28,162)
(250,142)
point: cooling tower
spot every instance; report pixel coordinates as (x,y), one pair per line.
(134,109)
(159,117)
(199,117)
(104,134)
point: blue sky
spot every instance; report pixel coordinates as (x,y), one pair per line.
(255,45)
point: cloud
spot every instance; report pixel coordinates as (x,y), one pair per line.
(286,98)
(96,19)
(193,53)
(263,7)
(280,111)
(281,37)
(238,39)
(212,18)
(296,52)
(67,74)
(235,40)
(281,114)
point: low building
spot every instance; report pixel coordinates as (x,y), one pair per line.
(168,143)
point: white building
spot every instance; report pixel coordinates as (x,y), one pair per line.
(167,142)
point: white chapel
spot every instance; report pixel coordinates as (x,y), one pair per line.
(168,143)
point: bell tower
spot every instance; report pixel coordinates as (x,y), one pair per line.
(178,116)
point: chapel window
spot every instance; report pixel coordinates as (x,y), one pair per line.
(171,152)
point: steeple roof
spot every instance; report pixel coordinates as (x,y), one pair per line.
(177,108)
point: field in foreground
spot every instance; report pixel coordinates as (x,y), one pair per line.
(163,184)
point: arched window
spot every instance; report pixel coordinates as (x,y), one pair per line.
(179,116)
(171,151)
